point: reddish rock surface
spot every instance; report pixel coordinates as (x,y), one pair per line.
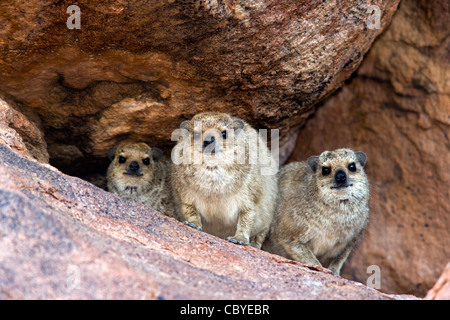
(441,290)
(396,109)
(63,238)
(21,134)
(137,70)
(71,95)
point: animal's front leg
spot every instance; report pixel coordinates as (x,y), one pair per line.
(191,216)
(244,227)
(300,252)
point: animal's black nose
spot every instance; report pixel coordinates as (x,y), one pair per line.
(340,176)
(208,141)
(134,166)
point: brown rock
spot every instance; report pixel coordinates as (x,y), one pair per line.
(441,290)
(136,71)
(22,134)
(63,238)
(396,109)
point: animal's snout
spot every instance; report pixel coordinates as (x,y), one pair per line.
(134,167)
(340,177)
(208,140)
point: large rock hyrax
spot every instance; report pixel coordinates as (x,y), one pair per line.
(218,188)
(141,174)
(322,209)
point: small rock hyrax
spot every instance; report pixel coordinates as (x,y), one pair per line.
(141,174)
(322,209)
(219,190)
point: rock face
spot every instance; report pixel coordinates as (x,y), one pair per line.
(396,109)
(441,290)
(20,133)
(136,71)
(63,238)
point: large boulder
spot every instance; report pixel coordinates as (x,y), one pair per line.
(136,71)
(396,109)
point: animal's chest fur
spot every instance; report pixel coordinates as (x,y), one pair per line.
(219,214)
(134,193)
(215,181)
(332,233)
(218,199)
(222,209)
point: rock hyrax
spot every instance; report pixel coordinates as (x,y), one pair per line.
(322,209)
(219,190)
(141,174)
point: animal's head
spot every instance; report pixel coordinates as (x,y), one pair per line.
(213,136)
(339,174)
(133,163)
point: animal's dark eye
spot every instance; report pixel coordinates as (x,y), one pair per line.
(224,134)
(197,135)
(146,161)
(326,171)
(122,159)
(352,167)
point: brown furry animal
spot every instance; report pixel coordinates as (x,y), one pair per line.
(140,174)
(322,210)
(218,188)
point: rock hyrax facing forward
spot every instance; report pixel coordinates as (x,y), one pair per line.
(322,209)
(219,189)
(140,174)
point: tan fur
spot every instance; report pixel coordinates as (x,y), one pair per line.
(151,187)
(227,199)
(317,223)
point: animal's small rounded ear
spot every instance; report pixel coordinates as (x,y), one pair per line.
(362,157)
(238,125)
(185,125)
(313,161)
(156,154)
(111,153)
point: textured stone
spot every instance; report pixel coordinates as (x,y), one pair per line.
(21,134)
(63,238)
(396,109)
(136,70)
(441,290)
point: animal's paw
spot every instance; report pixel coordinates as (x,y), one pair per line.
(237,240)
(256,245)
(190,224)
